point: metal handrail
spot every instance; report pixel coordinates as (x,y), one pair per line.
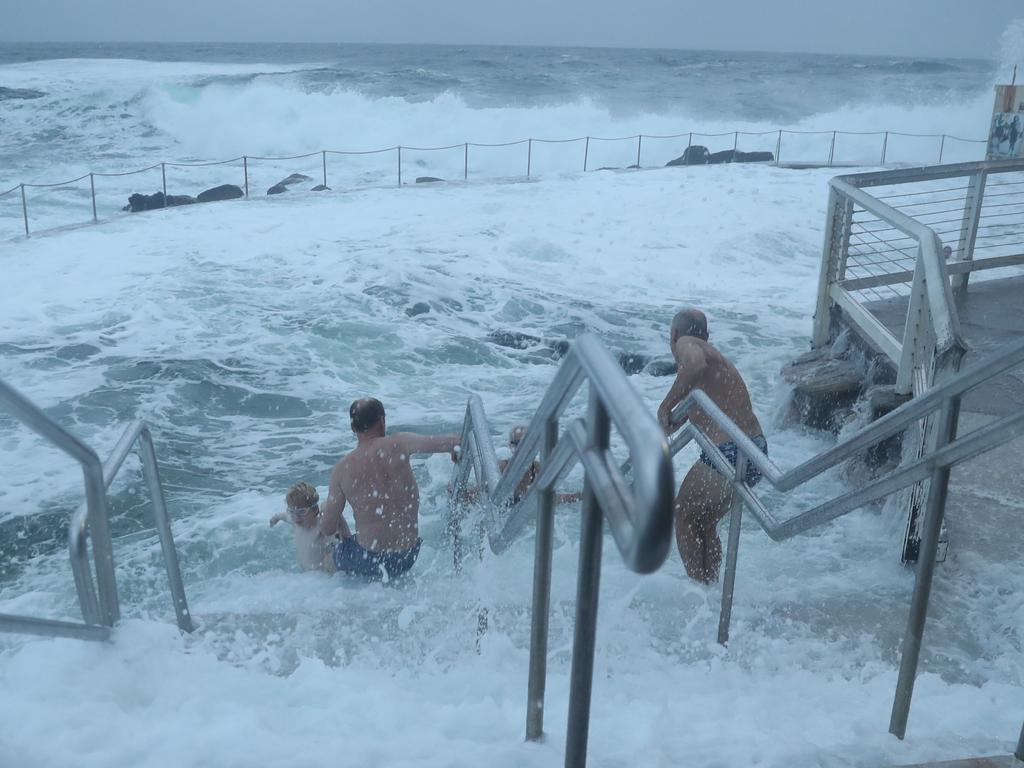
(99,606)
(639,515)
(942,401)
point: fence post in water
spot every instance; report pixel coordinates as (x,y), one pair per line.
(465,161)
(541,595)
(885,145)
(1019,754)
(163,181)
(24,209)
(324,153)
(92,190)
(399,165)
(936,506)
(529,156)
(735,140)
(832,149)
(639,142)
(689,141)
(586,152)
(729,581)
(942,146)
(245,170)
(778,148)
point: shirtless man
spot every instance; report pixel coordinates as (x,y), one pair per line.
(377,480)
(704,495)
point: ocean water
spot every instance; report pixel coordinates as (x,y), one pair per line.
(241,331)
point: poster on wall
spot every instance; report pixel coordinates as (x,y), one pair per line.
(1006,136)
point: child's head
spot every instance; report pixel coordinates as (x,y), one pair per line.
(303,504)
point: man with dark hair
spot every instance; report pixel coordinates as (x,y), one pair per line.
(704,495)
(377,480)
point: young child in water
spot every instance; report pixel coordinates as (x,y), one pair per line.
(303,511)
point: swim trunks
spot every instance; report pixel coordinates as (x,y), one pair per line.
(730,451)
(350,557)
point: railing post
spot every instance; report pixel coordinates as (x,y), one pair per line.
(245,170)
(163,525)
(729,580)
(832,149)
(735,141)
(689,141)
(639,143)
(541,595)
(778,148)
(163,181)
(399,165)
(24,209)
(942,146)
(465,161)
(885,146)
(945,433)
(582,676)
(973,202)
(323,152)
(833,263)
(586,152)
(1019,753)
(92,191)
(529,156)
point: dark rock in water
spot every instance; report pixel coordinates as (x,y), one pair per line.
(320,188)
(607,168)
(667,367)
(695,154)
(631,363)
(633,167)
(725,156)
(514,339)
(19,93)
(283,184)
(560,347)
(824,389)
(223,192)
(138,203)
(427,179)
(419,308)
(883,400)
(754,157)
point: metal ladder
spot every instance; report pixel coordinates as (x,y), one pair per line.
(640,514)
(100,607)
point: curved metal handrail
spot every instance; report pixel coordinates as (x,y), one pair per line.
(639,515)
(98,601)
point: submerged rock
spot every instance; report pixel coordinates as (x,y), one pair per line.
(223,192)
(283,184)
(824,389)
(138,202)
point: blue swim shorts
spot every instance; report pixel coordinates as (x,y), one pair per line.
(730,451)
(351,557)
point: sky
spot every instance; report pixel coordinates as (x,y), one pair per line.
(932,28)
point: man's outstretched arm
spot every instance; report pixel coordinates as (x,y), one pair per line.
(413,443)
(691,367)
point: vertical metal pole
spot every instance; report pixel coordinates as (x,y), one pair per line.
(163,181)
(102,547)
(1019,754)
(586,152)
(582,676)
(541,595)
(973,202)
(735,140)
(163,526)
(399,166)
(945,433)
(24,209)
(245,170)
(465,161)
(324,153)
(689,141)
(885,146)
(639,143)
(778,148)
(832,149)
(942,147)
(92,190)
(529,156)
(729,582)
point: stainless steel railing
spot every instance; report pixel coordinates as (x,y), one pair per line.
(942,402)
(639,515)
(97,598)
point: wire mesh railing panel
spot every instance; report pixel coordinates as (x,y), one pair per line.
(1000,231)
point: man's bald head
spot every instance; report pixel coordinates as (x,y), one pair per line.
(689,322)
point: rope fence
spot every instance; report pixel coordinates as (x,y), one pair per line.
(799,155)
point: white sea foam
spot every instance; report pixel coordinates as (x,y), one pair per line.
(241,331)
